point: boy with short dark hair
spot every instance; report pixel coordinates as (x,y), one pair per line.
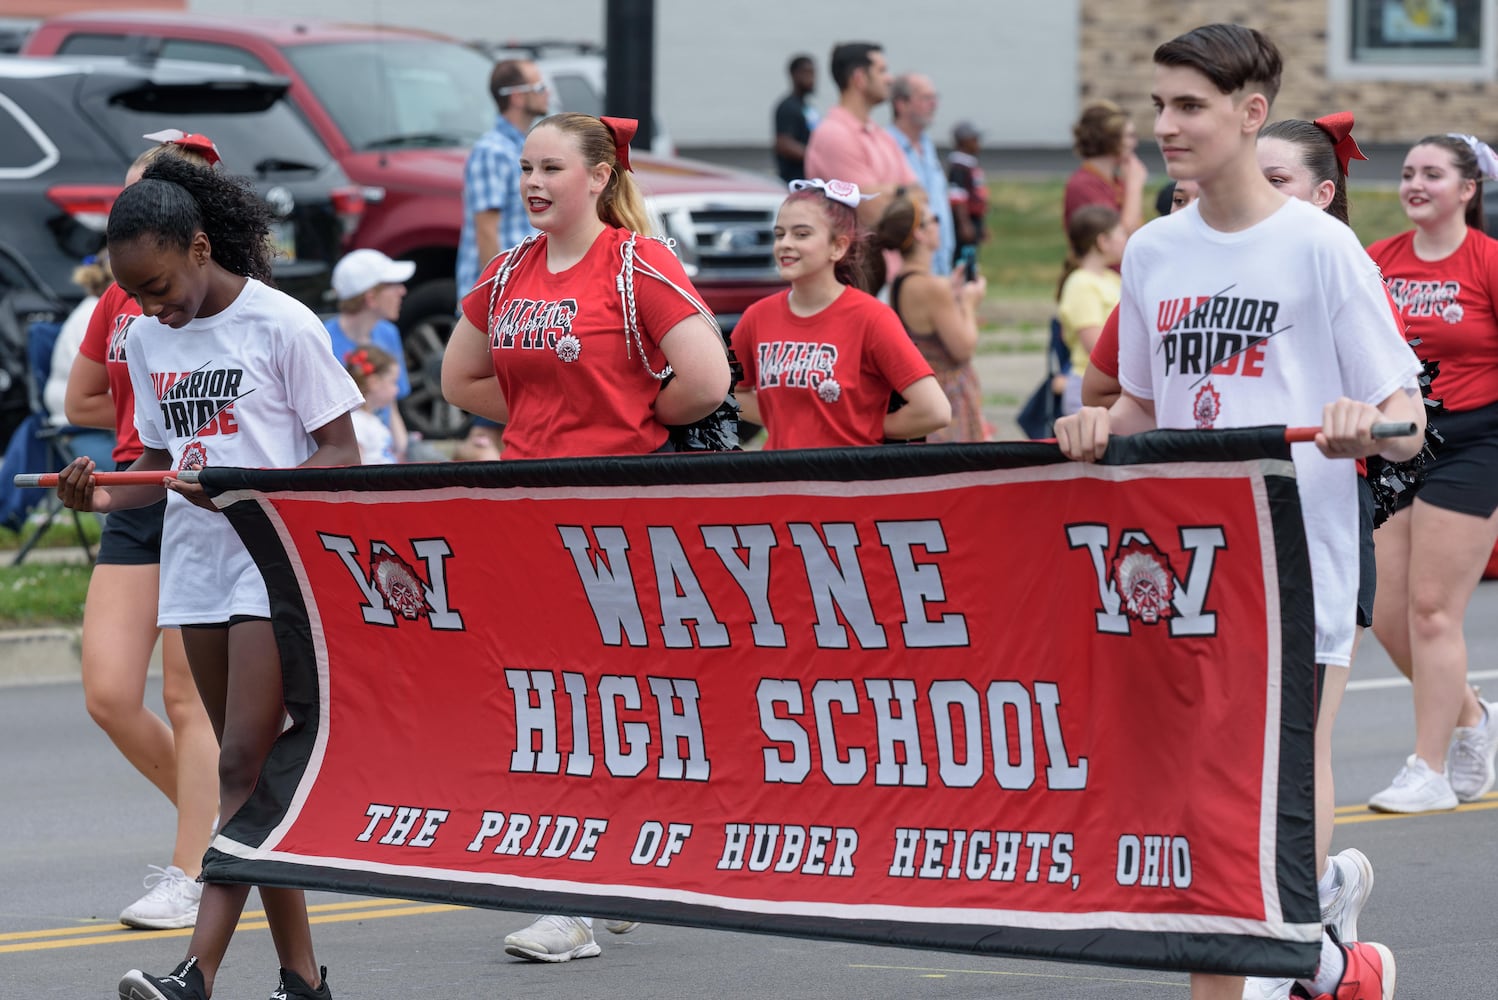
(1252,308)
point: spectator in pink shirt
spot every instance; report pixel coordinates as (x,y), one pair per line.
(847,144)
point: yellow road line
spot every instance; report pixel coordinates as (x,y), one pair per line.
(253,920)
(927,972)
(1362,814)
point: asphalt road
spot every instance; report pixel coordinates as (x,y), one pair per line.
(78,827)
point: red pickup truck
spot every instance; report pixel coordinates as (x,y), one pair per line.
(398,109)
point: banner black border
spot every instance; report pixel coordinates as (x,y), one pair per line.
(1231,954)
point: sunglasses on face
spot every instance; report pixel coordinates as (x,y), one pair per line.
(539,87)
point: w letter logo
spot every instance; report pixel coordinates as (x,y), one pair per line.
(1137,582)
(391,586)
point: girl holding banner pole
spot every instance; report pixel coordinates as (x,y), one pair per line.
(1443,276)
(226,371)
(120,614)
(586,340)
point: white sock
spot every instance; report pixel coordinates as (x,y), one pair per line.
(1329,883)
(1329,972)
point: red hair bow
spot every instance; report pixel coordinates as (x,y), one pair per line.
(623,130)
(1339,127)
(360,359)
(196,142)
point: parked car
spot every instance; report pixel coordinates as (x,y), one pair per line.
(399,109)
(69,130)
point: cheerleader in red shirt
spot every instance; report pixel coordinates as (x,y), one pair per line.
(585,340)
(550,347)
(1443,277)
(821,359)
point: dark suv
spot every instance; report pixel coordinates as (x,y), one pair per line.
(70,129)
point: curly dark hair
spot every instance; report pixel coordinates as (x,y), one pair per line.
(175,199)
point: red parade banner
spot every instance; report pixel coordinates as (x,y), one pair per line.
(970,698)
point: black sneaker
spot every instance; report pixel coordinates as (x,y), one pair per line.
(185,983)
(294,987)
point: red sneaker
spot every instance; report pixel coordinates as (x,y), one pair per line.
(1369,974)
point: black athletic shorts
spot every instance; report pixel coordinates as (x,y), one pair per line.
(1463,477)
(233,620)
(1367,568)
(132,537)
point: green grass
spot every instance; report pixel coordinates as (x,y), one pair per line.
(1022,259)
(59,535)
(42,593)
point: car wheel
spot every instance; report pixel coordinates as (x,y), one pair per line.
(427,320)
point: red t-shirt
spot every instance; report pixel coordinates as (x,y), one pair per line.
(573,385)
(824,381)
(1448,304)
(1104,355)
(1088,187)
(104,343)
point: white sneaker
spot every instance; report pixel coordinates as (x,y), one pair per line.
(1341,912)
(1416,789)
(1469,762)
(553,938)
(1261,988)
(172,901)
(620,926)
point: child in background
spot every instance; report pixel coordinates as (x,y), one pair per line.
(377,375)
(370,288)
(1089,289)
(967,189)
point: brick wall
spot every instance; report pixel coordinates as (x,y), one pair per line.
(1118,38)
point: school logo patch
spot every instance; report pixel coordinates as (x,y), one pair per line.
(1144,580)
(392,589)
(1137,581)
(195,454)
(398,584)
(1206,408)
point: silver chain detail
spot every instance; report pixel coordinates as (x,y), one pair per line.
(624,282)
(626,285)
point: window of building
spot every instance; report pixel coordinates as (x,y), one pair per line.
(1411,39)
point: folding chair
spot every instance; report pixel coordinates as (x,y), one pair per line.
(57,444)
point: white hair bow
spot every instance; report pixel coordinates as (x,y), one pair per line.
(843,192)
(1487,160)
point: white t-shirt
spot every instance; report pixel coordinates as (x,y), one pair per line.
(244,388)
(376,443)
(1304,303)
(69,339)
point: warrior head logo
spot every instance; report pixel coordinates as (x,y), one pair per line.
(1206,408)
(194,454)
(398,584)
(1144,580)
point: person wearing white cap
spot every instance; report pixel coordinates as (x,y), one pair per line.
(369,287)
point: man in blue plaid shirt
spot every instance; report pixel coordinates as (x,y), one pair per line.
(494,216)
